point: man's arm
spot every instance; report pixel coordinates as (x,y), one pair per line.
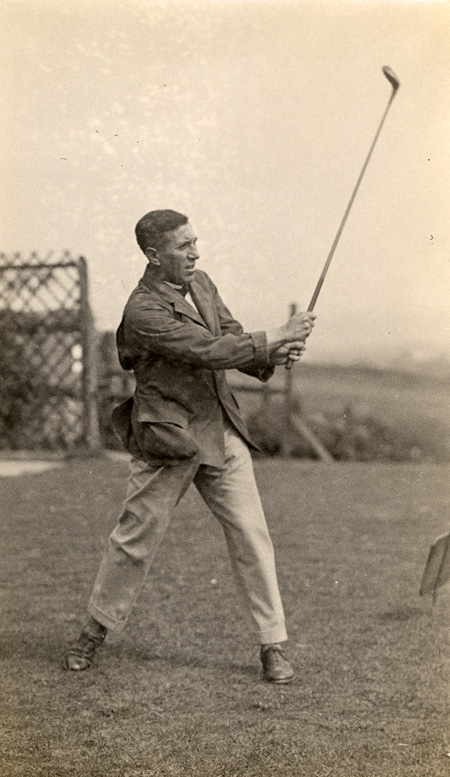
(279,349)
(263,370)
(149,328)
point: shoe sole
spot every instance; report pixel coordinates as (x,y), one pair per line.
(284,681)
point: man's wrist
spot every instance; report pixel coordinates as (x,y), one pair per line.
(275,338)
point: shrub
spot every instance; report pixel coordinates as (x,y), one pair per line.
(350,436)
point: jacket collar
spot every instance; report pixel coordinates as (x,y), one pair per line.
(176,299)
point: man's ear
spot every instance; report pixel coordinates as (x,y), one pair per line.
(152,256)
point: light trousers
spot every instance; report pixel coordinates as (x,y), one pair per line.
(231,493)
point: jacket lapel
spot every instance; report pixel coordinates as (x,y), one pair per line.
(175,298)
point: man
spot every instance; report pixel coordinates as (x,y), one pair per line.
(183,426)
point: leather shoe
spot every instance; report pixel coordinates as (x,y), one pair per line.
(81,654)
(275,666)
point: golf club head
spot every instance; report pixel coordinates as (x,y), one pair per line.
(391,77)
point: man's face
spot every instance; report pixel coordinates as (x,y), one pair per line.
(177,255)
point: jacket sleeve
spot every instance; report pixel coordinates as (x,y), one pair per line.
(151,329)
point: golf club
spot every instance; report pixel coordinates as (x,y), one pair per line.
(395,83)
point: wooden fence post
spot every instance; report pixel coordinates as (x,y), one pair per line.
(294,424)
(287,442)
(266,397)
(91,422)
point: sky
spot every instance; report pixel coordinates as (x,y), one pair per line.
(253,118)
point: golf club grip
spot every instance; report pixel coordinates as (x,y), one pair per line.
(289,362)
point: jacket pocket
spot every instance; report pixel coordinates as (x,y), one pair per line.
(161,432)
(166,411)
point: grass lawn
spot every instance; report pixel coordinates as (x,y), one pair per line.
(178,693)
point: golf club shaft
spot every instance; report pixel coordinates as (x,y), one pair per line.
(347,211)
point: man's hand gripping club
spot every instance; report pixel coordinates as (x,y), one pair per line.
(287,343)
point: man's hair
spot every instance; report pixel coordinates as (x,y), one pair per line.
(151,228)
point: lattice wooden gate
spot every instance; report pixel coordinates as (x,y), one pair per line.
(47,380)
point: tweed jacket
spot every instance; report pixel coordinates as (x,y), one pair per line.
(179,356)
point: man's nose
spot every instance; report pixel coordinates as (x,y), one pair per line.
(193,253)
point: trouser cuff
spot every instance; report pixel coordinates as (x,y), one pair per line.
(272,636)
(110,623)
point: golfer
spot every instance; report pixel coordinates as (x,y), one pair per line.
(183,426)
